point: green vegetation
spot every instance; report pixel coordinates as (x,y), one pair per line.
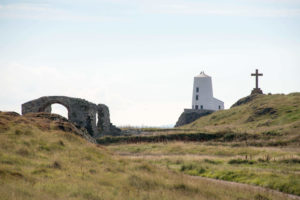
(256,143)
(265,120)
(270,115)
(275,168)
(37,161)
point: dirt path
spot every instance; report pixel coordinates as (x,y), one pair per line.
(247,186)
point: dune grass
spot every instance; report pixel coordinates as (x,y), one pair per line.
(255,143)
(38,162)
(277,114)
(270,167)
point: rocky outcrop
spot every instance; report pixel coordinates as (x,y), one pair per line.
(256,91)
(245,100)
(81,113)
(190,115)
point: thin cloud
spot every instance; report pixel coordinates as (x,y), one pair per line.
(189,8)
(46,12)
(40,11)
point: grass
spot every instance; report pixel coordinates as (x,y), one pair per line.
(255,143)
(270,167)
(265,114)
(266,120)
(37,161)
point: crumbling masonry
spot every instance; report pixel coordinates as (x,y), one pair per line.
(80,112)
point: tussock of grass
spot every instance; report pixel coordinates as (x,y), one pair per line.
(291,161)
(260,197)
(241,161)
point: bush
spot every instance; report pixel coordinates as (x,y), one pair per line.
(188,167)
(23,132)
(201,170)
(215,162)
(229,136)
(240,161)
(291,161)
(272,133)
(18,132)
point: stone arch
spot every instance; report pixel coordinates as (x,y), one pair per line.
(80,112)
(47,106)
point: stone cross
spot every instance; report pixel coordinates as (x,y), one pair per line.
(257,75)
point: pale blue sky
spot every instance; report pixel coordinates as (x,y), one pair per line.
(139,56)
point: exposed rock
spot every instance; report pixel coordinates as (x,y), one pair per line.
(256,91)
(264,111)
(80,112)
(245,100)
(190,115)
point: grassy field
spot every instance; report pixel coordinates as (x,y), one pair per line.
(37,161)
(256,143)
(275,168)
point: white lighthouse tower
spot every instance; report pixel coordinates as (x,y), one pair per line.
(203,94)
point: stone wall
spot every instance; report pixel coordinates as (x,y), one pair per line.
(80,112)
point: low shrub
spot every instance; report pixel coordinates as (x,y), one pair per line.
(240,161)
(215,162)
(291,161)
(188,167)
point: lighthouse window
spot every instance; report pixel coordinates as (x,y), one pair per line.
(197,89)
(196,107)
(201,107)
(196,97)
(219,107)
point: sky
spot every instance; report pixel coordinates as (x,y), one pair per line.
(139,57)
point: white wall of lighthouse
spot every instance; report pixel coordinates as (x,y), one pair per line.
(203,94)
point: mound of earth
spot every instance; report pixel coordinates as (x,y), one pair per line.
(44,121)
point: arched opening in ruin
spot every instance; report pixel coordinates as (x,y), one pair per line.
(96,116)
(60,109)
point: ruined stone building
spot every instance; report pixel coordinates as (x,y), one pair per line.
(94,118)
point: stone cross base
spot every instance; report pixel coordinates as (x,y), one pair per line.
(256,91)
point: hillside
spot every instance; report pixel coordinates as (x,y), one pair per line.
(260,120)
(41,160)
(255,142)
(260,114)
